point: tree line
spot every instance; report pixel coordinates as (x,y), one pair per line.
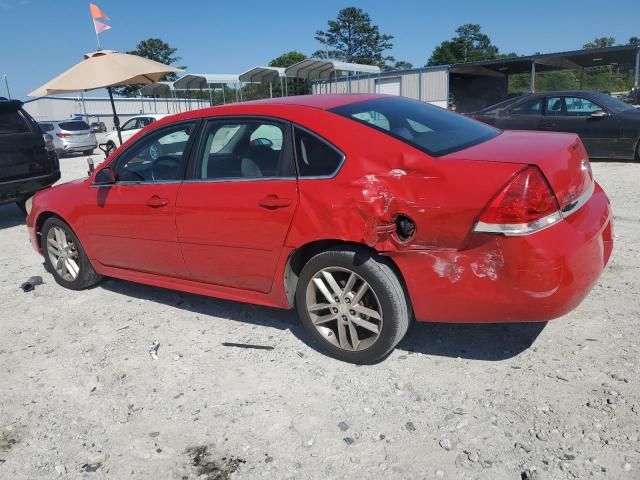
(353,37)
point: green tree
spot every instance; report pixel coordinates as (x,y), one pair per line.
(634,41)
(153,49)
(469,45)
(600,42)
(351,37)
(287,59)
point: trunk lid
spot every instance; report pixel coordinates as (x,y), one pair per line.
(22,149)
(561,157)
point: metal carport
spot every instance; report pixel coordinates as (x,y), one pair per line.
(266,75)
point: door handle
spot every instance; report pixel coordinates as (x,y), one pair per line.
(157,202)
(272,202)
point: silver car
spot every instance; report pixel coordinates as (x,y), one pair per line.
(71,136)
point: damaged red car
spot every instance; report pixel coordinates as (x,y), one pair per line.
(364,212)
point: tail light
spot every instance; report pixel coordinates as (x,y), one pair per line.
(525,205)
(48,142)
(63,134)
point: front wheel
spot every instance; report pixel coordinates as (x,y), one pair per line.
(353,305)
(65,258)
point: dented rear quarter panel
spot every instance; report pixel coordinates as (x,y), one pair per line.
(383,177)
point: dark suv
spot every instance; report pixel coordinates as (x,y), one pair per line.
(28,161)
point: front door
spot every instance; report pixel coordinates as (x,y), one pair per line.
(132,224)
(234,213)
(599,134)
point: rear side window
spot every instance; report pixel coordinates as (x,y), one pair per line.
(74,126)
(315,157)
(533,107)
(12,122)
(46,127)
(431,129)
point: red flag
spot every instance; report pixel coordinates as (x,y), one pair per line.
(97,13)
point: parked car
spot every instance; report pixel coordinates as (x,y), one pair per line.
(608,127)
(129,129)
(362,211)
(28,161)
(70,136)
(98,127)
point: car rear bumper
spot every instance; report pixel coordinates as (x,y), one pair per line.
(535,277)
(16,190)
(79,147)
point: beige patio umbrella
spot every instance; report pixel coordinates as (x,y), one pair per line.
(106,69)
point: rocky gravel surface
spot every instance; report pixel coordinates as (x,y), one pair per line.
(86,393)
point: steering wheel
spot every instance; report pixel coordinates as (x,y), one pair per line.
(164,168)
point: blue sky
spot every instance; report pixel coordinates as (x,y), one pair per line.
(41,38)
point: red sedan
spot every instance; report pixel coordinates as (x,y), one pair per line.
(362,211)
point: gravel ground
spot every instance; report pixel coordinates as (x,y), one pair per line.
(82,397)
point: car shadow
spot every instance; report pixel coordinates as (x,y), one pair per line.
(491,342)
(10,216)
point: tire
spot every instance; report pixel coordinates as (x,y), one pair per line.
(88,152)
(384,295)
(86,276)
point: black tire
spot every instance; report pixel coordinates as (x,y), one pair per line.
(87,276)
(87,152)
(388,289)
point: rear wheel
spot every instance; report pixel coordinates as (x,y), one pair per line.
(352,304)
(87,152)
(65,257)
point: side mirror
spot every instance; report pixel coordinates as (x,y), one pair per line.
(599,114)
(106,176)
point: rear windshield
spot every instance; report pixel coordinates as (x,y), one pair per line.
(12,122)
(74,126)
(431,129)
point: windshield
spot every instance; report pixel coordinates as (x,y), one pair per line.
(431,129)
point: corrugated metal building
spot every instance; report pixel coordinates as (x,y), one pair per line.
(99,109)
(429,84)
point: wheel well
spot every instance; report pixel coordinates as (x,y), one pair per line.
(299,258)
(43,217)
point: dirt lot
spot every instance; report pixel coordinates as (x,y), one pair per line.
(81,396)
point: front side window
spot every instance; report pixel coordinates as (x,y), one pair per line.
(144,121)
(431,129)
(130,125)
(243,149)
(314,156)
(155,157)
(533,107)
(555,106)
(580,107)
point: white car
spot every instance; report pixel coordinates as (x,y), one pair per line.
(130,128)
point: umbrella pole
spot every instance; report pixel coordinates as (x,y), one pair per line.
(116,120)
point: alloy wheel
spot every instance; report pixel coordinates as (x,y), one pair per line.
(344,308)
(63,254)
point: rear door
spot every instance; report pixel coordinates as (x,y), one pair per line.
(22,151)
(234,213)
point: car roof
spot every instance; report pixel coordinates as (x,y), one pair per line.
(322,102)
